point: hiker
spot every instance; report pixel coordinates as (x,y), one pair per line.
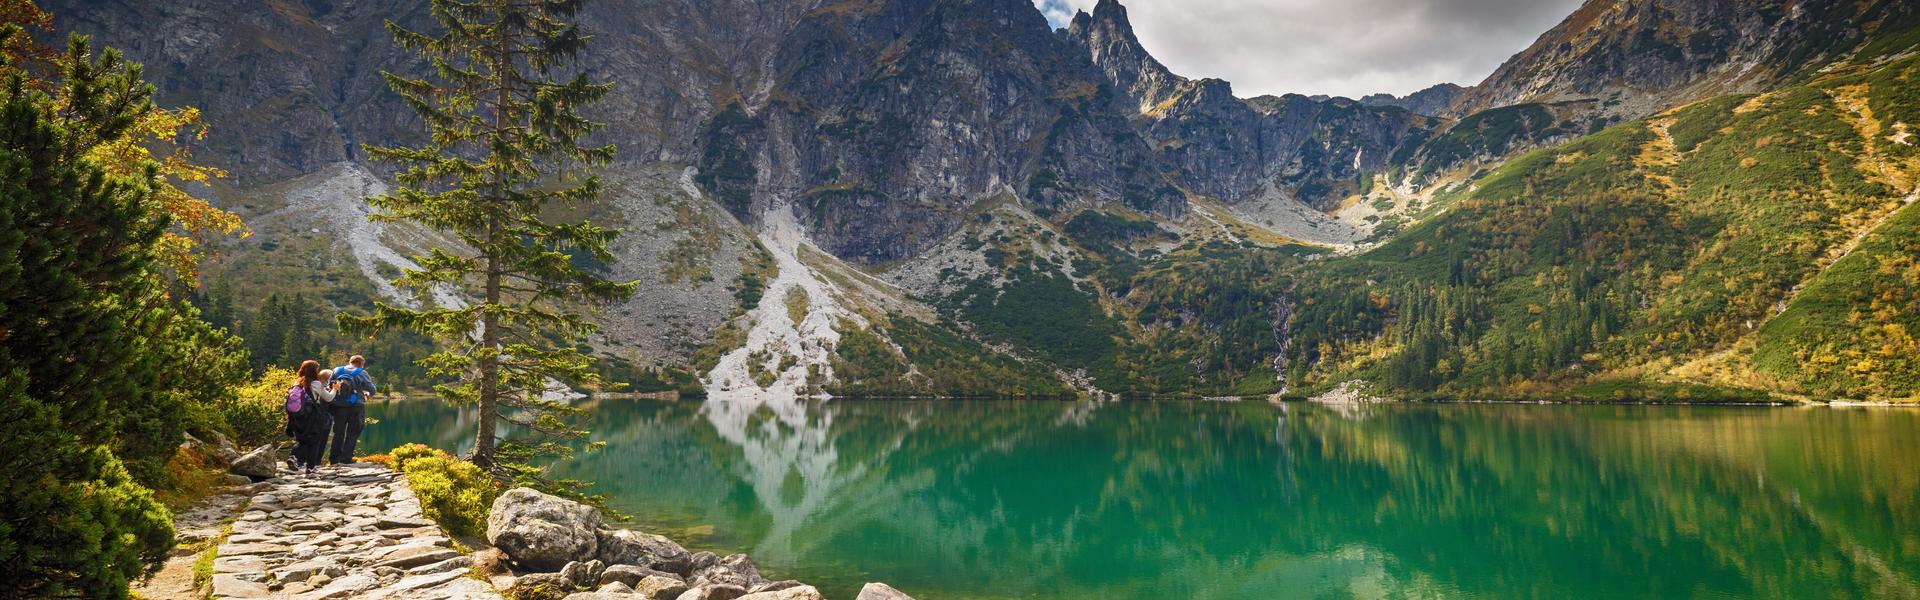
(349,408)
(307,424)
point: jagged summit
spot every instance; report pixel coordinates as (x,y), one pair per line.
(1108,37)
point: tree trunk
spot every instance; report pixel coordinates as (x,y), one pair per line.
(483,446)
(483,442)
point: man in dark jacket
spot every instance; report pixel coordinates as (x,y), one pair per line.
(349,408)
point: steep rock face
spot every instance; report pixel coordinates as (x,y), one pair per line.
(1233,149)
(1638,57)
(290,87)
(1107,36)
(279,103)
(892,119)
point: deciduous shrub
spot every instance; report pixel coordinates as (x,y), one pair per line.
(453,492)
(257,414)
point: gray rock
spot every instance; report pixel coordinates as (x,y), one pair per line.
(774,586)
(400,523)
(229,586)
(304,570)
(458,562)
(735,569)
(237,479)
(615,588)
(239,564)
(394,550)
(657,587)
(240,549)
(542,531)
(415,582)
(541,586)
(701,560)
(631,575)
(225,447)
(714,592)
(799,592)
(414,557)
(628,547)
(583,574)
(344,587)
(503,582)
(881,591)
(261,463)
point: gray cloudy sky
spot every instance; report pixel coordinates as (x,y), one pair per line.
(1339,47)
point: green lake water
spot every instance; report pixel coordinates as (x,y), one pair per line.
(959,500)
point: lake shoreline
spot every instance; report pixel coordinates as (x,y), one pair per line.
(671,396)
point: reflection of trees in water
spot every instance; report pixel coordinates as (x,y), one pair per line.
(1656,502)
(1077,500)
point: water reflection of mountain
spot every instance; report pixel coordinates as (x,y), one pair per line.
(1071,500)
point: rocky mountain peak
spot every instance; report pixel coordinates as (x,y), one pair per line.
(1107,37)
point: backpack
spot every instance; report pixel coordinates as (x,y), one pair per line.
(297,399)
(351,387)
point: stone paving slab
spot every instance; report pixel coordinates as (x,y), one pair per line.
(353,532)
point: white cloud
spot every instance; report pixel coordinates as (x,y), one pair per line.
(1338,47)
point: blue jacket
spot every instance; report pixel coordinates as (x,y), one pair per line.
(353,373)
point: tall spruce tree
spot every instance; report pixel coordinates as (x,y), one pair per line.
(505,140)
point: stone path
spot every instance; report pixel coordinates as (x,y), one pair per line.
(356,532)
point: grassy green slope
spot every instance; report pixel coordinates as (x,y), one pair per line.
(1645,247)
(1131,307)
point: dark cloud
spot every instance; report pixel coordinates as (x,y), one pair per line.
(1339,47)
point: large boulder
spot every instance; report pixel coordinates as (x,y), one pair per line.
(260,464)
(881,591)
(735,569)
(628,547)
(542,532)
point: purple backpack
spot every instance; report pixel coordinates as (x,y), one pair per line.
(296,399)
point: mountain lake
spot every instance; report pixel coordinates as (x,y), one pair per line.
(1135,500)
